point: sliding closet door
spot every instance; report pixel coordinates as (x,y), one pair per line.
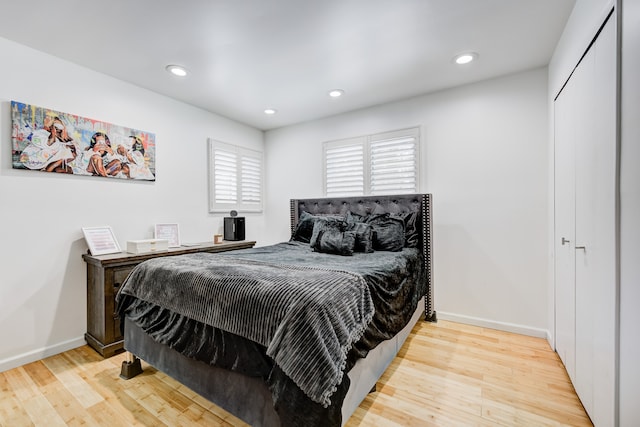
(586,222)
(585,227)
(595,250)
(565,134)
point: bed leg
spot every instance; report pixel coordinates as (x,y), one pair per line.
(130,367)
(373,389)
(430,318)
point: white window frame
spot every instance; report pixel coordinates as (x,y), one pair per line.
(243,201)
(365,143)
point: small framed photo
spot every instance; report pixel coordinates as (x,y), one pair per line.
(101,240)
(170,232)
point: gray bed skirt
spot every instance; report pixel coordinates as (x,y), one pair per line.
(246,397)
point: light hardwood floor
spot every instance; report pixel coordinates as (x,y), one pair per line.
(447,374)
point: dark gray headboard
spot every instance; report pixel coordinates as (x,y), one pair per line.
(365,205)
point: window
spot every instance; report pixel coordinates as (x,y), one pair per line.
(385,163)
(235,178)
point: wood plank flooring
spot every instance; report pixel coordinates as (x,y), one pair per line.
(447,374)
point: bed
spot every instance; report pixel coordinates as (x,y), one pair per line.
(295,333)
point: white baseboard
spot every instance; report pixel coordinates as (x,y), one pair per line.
(32,356)
(550,340)
(501,326)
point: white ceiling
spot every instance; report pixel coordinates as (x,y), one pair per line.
(248,55)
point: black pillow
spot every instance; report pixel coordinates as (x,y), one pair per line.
(322,223)
(333,241)
(304,228)
(364,236)
(411,228)
(352,218)
(388,232)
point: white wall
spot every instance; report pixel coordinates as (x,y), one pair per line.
(42,275)
(630,217)
(484,158)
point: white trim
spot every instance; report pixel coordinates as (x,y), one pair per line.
(41,353)
(551,340)
(492,324)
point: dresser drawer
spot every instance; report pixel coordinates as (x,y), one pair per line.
(119,276)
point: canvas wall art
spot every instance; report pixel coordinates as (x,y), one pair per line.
(52,141)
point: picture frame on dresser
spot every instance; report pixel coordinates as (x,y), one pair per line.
(101,240)
(169,231)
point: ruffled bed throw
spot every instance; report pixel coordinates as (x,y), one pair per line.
(308,318)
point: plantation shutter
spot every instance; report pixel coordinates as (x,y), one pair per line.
(236,178)
(225,171)
(345,168)
(251,178)
(386,163)
(394,166)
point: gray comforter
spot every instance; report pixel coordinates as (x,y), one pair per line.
(395,281)
(307,317)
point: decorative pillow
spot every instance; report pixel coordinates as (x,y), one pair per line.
(364,236)
(304,228)
(322,223)
(333,241)
(411,228)
(388,232)
(353,218)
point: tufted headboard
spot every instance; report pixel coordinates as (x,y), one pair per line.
(365,205)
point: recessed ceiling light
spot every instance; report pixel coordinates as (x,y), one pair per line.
(270,111)
(336,93)
(465,58)
(176,70)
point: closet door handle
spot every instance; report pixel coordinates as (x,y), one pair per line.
(565,241)
(584,248)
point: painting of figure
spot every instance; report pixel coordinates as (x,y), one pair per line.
(52,141)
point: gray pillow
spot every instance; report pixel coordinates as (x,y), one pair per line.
(411,228)
(364,236)
(322,223)
(352,218)
(304,228)
(388,232)
(334,241)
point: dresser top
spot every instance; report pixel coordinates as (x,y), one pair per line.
(129,258)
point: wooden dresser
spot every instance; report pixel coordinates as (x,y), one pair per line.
(105,274)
